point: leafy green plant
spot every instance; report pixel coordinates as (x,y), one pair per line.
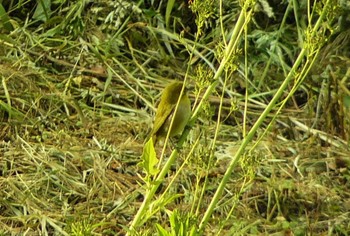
(180,224)
(264,152)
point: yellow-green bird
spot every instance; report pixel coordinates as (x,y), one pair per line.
(166,109)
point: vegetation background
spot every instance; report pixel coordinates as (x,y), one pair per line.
(267,148)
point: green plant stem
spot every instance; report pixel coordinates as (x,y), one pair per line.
(230,49)
(247,139)
(237,31)
(293,72)
(152,191)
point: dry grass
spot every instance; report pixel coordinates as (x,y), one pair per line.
(75,112)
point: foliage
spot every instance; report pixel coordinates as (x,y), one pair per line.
(266,150)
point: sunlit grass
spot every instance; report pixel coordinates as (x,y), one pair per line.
(269,89)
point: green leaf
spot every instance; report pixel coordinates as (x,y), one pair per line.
(149,158)
(11,111)
(43,10)
(169,8)
(5,19)
(162,231)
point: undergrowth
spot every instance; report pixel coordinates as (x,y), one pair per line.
(266,151)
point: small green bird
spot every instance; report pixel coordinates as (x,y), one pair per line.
(165,112)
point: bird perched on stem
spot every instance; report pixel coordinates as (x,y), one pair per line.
(166,110)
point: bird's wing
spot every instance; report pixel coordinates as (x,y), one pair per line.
(161,116)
